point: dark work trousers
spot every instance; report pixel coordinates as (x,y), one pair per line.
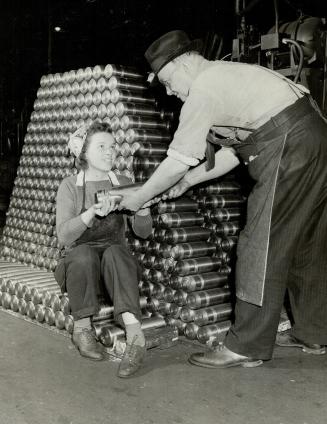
(297,254)
(80,274)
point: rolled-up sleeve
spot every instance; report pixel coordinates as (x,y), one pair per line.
(196,118)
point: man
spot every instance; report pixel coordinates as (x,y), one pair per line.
(273,126)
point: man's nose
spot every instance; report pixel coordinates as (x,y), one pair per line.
(169,91)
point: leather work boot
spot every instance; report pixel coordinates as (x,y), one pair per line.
(132,360)
(287,340)
(87,345)
(222,357)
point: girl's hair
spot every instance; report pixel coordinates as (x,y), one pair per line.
(94,128)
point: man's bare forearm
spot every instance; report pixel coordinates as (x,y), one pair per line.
(168,173)
(225,161)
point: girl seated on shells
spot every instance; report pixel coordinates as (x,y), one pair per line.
(92,236)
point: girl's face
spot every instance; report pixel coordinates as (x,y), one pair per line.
(100,153)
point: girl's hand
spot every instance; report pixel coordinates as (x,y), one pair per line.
(106,206)
(102,208)
(89,214)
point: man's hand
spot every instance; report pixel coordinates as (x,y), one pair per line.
(177,190)
(131,200)
(143,212)
(151,202)
(165,176)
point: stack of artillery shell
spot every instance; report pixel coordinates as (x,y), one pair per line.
(64,103)
(36,294)
(141,129)
(188,261)
(26,290)
(113,94)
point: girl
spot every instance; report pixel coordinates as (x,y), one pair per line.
(92,235)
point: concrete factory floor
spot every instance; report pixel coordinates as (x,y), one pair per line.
(45,381)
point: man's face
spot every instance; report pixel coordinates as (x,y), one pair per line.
(176,80)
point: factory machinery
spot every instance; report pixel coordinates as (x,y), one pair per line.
(296,49)
(187,262)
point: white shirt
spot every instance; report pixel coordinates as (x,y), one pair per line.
(228,95)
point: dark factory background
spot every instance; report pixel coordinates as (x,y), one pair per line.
(38,37)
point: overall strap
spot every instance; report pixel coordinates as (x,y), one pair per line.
(315,106)
(84,194)
(113,178)
(292,85)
